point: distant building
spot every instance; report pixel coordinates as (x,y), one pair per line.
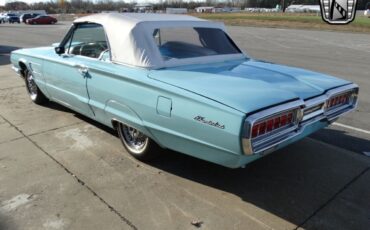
(204,9)
(218,10)
(176,11)
(143,8)
(303,8)
(20,12)
(231,9)
(109,11)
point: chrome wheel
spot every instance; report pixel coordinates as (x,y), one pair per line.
(133,139)
(33,91)
(31,86)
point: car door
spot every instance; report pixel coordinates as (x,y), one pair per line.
(43,20)
(67,74)
(46,20)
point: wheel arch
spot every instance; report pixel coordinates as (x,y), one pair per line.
(23,68)
(118,112)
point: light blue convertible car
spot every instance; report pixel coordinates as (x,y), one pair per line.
(181,83)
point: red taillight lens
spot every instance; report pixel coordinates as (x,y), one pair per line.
(289,117)
(283,120)
(338,100)
(262,128)
(270,124)
(255,130)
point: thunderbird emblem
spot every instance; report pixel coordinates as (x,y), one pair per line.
(338,11)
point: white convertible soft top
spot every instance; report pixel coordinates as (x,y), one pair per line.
(130,37)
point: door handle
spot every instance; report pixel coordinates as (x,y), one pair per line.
(82,69)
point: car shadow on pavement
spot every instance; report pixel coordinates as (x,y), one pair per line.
(292,183)
(56,106)
(340,139)
(5,54)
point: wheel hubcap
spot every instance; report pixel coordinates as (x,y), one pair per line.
(31,86)
(134,140)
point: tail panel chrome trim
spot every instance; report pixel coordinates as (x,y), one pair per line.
(306,113)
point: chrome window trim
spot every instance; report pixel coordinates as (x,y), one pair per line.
(261,144)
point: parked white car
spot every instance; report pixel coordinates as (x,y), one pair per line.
(2,18)
(367,13)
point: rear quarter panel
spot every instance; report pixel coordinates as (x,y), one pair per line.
(130,96)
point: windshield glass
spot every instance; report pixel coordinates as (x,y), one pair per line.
(192,42)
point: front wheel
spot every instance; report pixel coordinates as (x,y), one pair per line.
(137,144)
(33,91)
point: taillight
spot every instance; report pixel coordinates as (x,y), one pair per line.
(270,124)
(339,100)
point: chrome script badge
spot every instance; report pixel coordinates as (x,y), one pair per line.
(338,11)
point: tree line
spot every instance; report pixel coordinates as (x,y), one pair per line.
(87,6)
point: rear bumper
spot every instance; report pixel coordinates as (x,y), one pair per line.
(309,112)
(305,131)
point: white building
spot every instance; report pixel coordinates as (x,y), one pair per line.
(20,12)
(143,8)
(303,8)
(204,9)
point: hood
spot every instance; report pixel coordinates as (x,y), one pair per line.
(248,85)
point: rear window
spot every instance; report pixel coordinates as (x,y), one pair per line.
(192,42)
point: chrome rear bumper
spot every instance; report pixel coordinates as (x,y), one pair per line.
(312,110)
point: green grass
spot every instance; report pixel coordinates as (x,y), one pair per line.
(362,21)
(307,21)
(272,17)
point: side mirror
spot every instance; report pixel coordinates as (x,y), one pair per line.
(59,50)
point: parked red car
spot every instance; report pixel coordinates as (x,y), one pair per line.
(42,19)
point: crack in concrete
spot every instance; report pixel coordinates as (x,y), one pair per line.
(81,182)
(45,131)
(53,129)
(14,87)
(8,141)
(354,179)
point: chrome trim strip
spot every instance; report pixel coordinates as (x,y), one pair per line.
(342,89)
(271,141)
(297,105)
(273,146)
(276,136)
(275,110)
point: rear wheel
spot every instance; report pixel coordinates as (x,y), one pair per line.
(33,91)
(137,144)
